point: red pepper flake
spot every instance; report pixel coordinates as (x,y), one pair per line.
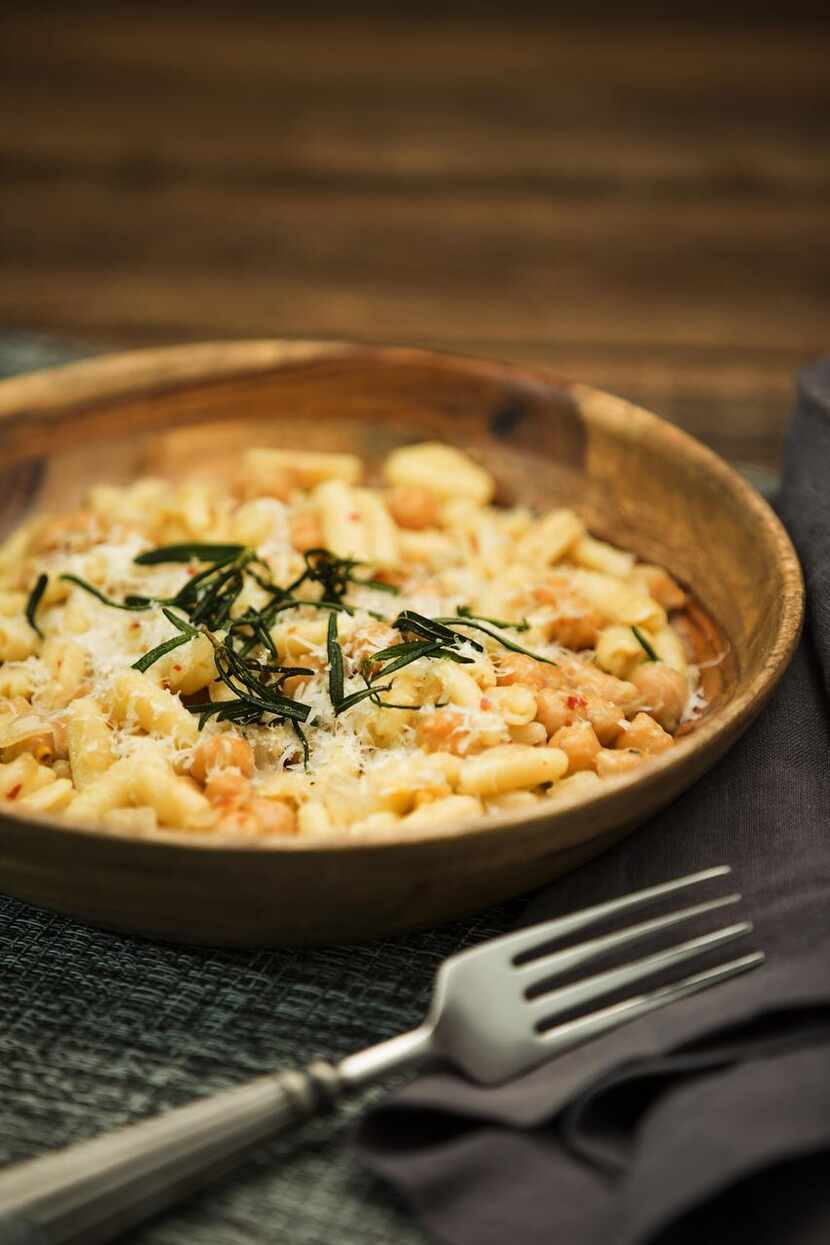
(576,702)
(15,792)
(486,703)
(177,668)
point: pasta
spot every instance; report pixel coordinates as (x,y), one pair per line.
(295,651)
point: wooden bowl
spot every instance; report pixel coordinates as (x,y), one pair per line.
(634,479)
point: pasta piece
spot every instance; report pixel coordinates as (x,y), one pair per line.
(413,506)
(273,473)
(669,648)
(512,802)
(16,681)
(52,798)
(28,734)
(344,529)
(550,538)
(256,521)
(617,600)
(442,469)
(459,687)
(510,768)
(187,669)
(515,703)
(453,808)
(136,701)
(17,639)
(140,821)
(597,555)
(140,780)
(619,651)
(532,733)
(23,776)
(313,819)
(67,662)
(90,742)
(381,535)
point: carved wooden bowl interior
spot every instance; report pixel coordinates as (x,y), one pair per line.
(633,478)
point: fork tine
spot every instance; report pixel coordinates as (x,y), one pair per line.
(574,1032)
(538,936)
(553,1003)
(571,957)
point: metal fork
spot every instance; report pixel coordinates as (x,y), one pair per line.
(495,1013)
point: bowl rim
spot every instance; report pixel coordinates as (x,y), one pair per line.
(152,371)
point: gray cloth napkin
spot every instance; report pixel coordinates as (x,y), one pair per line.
(709,1120)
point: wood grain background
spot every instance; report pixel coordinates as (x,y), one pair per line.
(641,204)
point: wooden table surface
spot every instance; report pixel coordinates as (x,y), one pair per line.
(643,206)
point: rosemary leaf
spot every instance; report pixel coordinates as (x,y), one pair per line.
(335,655)
(645,645)
(514,648)
(180,624)
(377,584)
(189,553)
(93,591)
(149,659)
(34,601)
(301,735)
(426,649)
(464,612)
(354,698)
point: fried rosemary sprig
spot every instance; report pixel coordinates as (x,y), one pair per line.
(647,648)
(34,601)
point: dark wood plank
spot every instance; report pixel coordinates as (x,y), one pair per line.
(641,205)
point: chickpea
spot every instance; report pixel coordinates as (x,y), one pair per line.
(273,816)
(576,623)
(557,709)
(220,752)
(604,716)
(413,506)
(646,735)
(227,790)
(580,745)
(610,763)
(517,668)
(444,730)
(306,530)
(663,692)
(594,682)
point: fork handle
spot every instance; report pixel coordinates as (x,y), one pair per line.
(89,1193)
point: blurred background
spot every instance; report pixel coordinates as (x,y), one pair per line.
(637,201)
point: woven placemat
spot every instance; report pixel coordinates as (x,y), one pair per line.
(99,1029)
